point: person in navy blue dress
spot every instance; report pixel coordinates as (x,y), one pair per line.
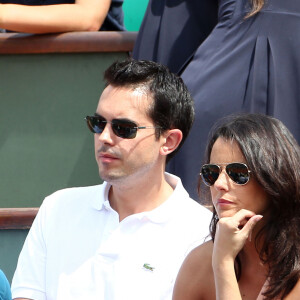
(250,62)
(171,31)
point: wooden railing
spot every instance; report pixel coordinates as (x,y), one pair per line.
(17,218)
(109,41)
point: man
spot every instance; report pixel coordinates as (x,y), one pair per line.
(124,239)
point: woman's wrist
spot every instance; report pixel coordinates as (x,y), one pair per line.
(221,257)
(222,264)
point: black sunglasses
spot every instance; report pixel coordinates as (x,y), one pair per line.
(121,128)
(237,172)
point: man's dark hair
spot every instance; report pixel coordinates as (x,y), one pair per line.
(273,156)
(172,105)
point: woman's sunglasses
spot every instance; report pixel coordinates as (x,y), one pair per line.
(237,172)
(121,128)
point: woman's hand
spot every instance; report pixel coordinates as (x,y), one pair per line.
(231,235)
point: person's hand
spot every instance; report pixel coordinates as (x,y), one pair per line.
(231,235)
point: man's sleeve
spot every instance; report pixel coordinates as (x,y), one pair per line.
(29,277)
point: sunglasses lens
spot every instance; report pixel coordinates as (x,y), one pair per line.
(124,129)
(96,124)
(210,174)
(238,172)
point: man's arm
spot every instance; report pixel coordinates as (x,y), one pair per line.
(83,15)
(29,278)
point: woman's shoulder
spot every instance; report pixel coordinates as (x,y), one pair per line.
(200,256)
(195,278)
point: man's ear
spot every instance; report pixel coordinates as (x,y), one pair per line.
(171,140)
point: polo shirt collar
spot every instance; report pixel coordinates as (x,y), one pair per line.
(171,206)
(101,196)
(160,214)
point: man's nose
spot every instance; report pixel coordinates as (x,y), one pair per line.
(106,136)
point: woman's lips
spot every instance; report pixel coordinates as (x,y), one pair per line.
(224,202)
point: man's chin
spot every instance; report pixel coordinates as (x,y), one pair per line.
(111,178)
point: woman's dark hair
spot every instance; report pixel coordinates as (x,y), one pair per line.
(172,106)
(273,156)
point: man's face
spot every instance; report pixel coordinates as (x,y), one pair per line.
(122,159)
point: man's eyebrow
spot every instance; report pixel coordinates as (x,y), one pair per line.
(125,120)
(117,119)
(97,115)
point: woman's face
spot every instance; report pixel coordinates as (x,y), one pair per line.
(227,196)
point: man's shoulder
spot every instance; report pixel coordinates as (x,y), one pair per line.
(71,204)
(77,191)
(194,207)
(192,219)
(75,195)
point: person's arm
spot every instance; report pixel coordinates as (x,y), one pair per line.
(83,15)
(231,235)
(29,278)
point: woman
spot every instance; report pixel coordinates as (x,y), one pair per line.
(5,293)
(253,171)
(250,62)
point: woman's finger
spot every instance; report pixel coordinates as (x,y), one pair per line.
(248,227)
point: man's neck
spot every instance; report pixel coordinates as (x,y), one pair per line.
(141,197)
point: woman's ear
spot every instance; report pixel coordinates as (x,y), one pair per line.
(171,140)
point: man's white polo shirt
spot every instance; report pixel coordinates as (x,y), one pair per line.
(78,249)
